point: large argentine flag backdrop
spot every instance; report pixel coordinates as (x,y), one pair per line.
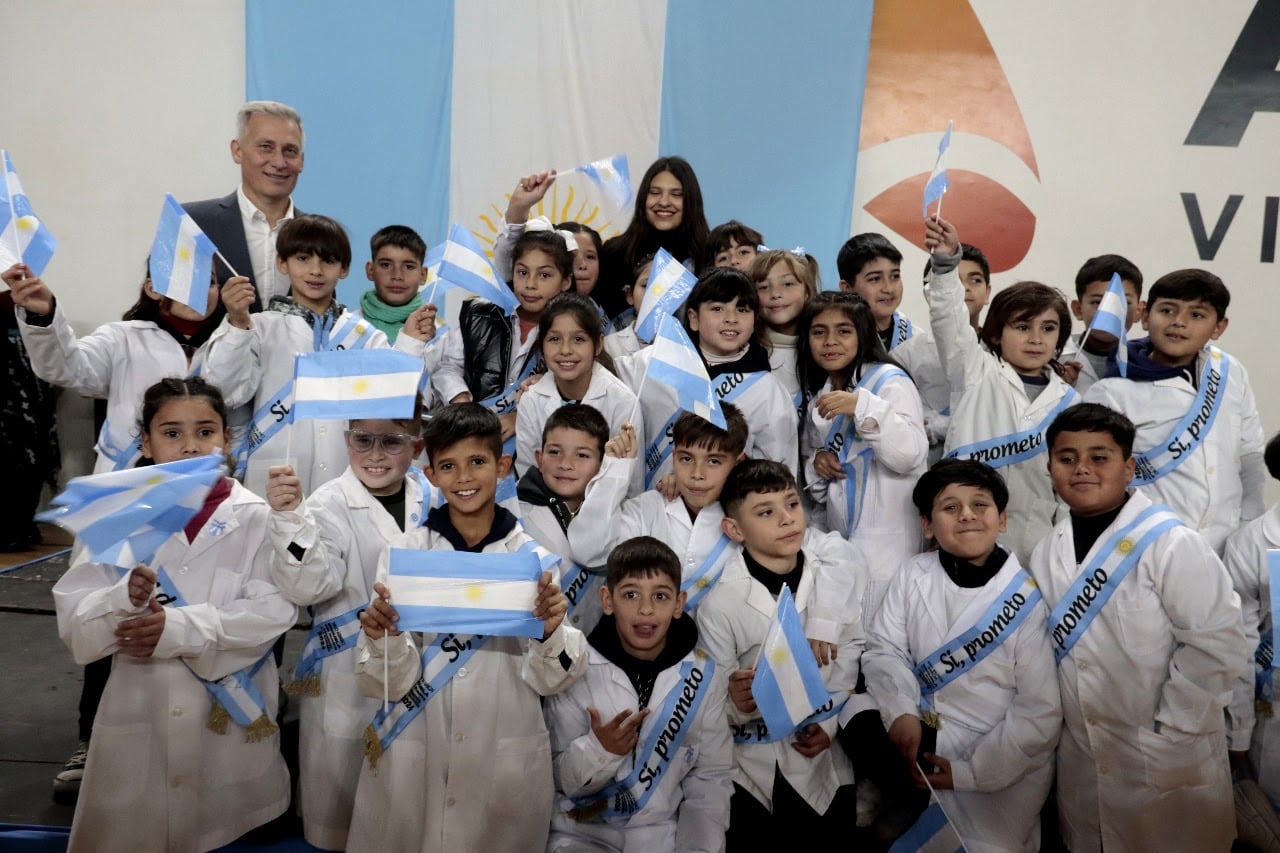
(427,112)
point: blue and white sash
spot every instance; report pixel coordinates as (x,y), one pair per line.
(699,582)
(1264,677)
(505,400)
(756,732)
(1097,582)
(121,457)
(578,585)
(1018,446)
(728,388)
(325,639)
(902,329)
(1194,426)
(624,797)
(964,652)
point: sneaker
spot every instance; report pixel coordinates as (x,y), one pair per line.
(67,783)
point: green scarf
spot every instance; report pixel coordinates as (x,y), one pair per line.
(389,318)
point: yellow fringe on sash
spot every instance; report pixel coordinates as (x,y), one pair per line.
(309,686)
(372,747)
(259,730)
(587,813)
(218,719)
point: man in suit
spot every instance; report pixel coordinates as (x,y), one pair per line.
(244,224)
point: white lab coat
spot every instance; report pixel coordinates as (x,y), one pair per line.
(473,769)
(990,401)
(344,531)
(1246,562)
(1220,485)
(888,531)
(607,394)
(117,362)
(688,811)
(782,360)
(918,355)
(733,620)
(1000,720)
(157,777)
(623,342)
(1142,764)
(250,365)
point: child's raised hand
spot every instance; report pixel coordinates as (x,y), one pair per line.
(906,734)
(621,734)
(811,740)
(827,465)
(29,292)
(550,606)
(941,237)
(835,403)
(529,191)
(740,690)
(667,487)
(824,652)
(421,324)
(137,637)
(379,618)
(940,776)
(142,582)
(284,488)
(624,444)
(237,296)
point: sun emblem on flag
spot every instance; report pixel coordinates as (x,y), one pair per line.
(184,254)
(474,592)
(701,583)
(360,386)
(779,656)
(1125,546)
(155,480)
(27,223)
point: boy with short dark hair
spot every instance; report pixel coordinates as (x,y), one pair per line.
(732,244)
(643,758)
(396,267)
(1092,282)
(1199,438)
(871,266)
(1147,634)
(789,787)
(959,664)
(463,760)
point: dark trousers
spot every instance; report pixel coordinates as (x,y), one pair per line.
(793,823)
(95,681)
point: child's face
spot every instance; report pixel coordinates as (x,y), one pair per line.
(880,283)
(723,327)
(182,428)
(387,453)
(174,308)
(782,298)
(770,525)
(1086,307)
(1089,471)
(643,607)
(965,522)
(977,290)
(312,279)
(1180,328)
(570,353)
(568,459)
(1030,344)
(468,474)
(700,474)
(736,256)
(536,281)
(833,340)
(586,264)
(635,294)
(664,206)
(397,274)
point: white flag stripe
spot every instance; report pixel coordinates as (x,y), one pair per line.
(181,287)
(464,593)
(790,684)
(371,387)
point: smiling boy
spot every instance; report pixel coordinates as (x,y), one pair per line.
(395,266)
(871,266)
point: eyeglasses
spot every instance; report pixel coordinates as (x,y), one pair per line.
(392,443)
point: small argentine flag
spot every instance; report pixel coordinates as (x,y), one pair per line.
(362,383)
(613,177)
(938,183)
(668,287)
(23,237)
(931,833)
(181,258)
(676,363)
(463,264)
(465,593)
(1113,319)
(788,685)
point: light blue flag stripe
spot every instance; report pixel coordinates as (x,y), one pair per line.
(616,185)
(362,362)
(1273,575)
(164,258)
(468,620)
(486,284)
(932,832)
(338,410)
(6,203)
(671,299)
(765,687)
(694,391)
(412,562)
(41,243)
(81,490)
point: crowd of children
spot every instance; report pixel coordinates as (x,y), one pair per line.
(1006,555)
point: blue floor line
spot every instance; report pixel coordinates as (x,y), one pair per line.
(36,561)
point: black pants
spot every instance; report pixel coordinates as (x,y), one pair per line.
(793,824)
(95,682)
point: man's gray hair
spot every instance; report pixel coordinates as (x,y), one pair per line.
(269,108)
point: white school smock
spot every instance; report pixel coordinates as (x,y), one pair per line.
(250,365)
(733,621)
(1246,562)
(1000,721)
(473,769)
(1142,764)
(623,342)
(449,379)
(117,362)
(688,811)
(782,360)
(1220,485)
(344,531)
(990,401)
(157,777)
(918,355)
(606,393)
(891,424)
